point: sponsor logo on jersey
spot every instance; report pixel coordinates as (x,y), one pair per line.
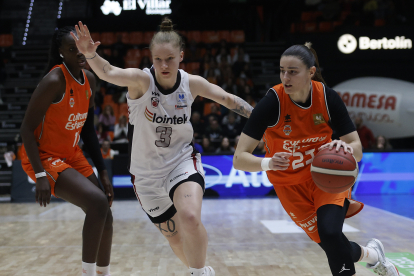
(76,121)
(71,102)
(318,119)
(152,117)
(149,115)
(155,209)
(87,94)
(287,118)
(156,94)
(71,92)
(180,106)
(289,144)
(287,129)
(174,178)
(154,102)
(57,163)
(181,98)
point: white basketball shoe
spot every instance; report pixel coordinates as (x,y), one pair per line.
(209,271)
(383,267)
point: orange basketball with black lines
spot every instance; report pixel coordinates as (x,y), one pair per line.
(334,172)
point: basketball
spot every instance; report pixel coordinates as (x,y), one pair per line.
(334,172)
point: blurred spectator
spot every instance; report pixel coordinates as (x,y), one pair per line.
(382,143)
(117,59)
(214,114)
(229,85)
(198,126)
(214,132)
(193,52)
(223,56)
(107,152)
(119,46)
(238,66)
(121,130)
(207,147)
(145,63)
(9,157)
(260,149)
(211,77)
(244,56)
(198,105)
(212,66)
(225,146)
(107,118)
(365,134)
(249,99)
(101,133)
(231,129)
(225,120)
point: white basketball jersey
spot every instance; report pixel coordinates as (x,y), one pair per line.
(160,132)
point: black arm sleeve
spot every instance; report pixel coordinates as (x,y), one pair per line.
(265,114)
(91,141)
(341,123)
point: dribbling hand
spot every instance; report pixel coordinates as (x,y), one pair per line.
(84,40)
(280,161)
(42,191)
(338,144)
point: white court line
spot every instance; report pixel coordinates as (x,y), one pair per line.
(52,209)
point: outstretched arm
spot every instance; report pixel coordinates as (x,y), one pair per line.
(201,87)
(131,77)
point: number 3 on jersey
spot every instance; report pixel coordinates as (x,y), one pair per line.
(165,136)
(298,163)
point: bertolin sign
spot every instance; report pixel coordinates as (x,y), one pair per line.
(347,43)
(151,6)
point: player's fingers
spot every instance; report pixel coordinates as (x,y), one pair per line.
(78,32)
(87,31)
(74,36)
(81,27)
(338,146)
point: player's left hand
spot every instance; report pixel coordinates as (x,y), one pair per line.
(338,144)
(106,183)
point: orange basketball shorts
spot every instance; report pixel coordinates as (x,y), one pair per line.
(301,202)
(55,165)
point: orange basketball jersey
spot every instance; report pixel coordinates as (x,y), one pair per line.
(59,132)
(301,131)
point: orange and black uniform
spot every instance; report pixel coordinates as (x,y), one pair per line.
(59,132)
(300,129)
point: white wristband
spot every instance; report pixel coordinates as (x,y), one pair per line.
(41,174)
(265,164)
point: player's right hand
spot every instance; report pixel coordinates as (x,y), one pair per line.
(280,161)
(84,40)
(42,191)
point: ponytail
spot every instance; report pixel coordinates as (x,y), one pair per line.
(308,56)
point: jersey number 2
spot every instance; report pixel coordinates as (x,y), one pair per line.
(165,136)
(298,163)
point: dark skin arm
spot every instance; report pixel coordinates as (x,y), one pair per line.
(106,183)
(50,89)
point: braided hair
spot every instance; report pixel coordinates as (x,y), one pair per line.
(54,56)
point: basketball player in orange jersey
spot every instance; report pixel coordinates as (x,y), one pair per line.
(296,119)
(166,170)
(61,112)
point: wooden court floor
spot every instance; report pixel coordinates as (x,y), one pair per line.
(47,241)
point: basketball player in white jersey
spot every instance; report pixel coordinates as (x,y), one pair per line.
(167,173)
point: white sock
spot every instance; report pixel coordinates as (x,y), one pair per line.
(196,271)
(102,270)
(88,269)
(369,255)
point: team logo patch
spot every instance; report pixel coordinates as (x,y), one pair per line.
(318,119)
(180,106)
(148,114)
(181,98)
(154,102)
(71,102)
(287,118)
(287,129)
(71,92)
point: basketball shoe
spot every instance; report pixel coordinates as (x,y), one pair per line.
(383,267)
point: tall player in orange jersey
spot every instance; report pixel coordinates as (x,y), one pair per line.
(59,113)
(296,119)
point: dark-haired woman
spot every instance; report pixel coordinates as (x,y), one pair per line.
(295,120)
(167,173)
(59,113)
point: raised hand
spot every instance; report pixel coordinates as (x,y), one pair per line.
(84,40)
